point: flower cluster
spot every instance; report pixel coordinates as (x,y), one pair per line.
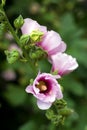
(45,86)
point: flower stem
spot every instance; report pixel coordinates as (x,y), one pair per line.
(10,28)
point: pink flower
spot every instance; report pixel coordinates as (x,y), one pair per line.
(52,43)
(32,25)
(46,89)
(63,63)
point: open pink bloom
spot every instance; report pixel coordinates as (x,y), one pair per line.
(52,43)
(46,89)
(32,25)
(63,63)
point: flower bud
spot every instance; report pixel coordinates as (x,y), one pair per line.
(65,111)
(36,54)
(18,22)
(12,56)
(36,36)
(24,39)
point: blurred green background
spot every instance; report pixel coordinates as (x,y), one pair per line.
(18,110)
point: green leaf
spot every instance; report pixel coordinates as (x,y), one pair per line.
(74,86)
(15,95)
(31,125)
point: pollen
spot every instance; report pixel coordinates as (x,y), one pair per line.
(42,86)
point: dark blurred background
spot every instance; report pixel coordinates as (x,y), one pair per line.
(18,110)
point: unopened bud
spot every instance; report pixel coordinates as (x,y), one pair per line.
(18,22)
(31,81)
(36,36)
(12,56)
(36,55)
(24,39)
(65,111)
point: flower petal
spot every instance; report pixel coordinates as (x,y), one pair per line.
(31,25)
(63,63)
(43,105)
(29,89)
(52,43)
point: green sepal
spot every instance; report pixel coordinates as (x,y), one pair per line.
(24,39)
(58,112)
(36,54)
(12,56)
(36,36)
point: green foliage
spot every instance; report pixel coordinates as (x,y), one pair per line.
(58,113)
(3,2)
(15,95)
(28,126)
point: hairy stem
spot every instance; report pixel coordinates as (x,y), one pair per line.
(10,28)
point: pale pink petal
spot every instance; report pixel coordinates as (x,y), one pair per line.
(31,25)
(59,94)
(52,43)
(51,40)
(63,63)
(29,89)
(43,105)
(60,48)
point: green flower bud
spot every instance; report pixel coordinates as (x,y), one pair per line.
(33,56)
(65,111)
(39,53)
(24,39)
(36,55)
(50,113)
(36,36)
(12,56)
(60,103)
(31,81)
(18,22)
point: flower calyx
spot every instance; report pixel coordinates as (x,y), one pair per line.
(36,36)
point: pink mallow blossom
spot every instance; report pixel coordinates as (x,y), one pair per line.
(46,89)
(51,41)
(63,63)
(32,25)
